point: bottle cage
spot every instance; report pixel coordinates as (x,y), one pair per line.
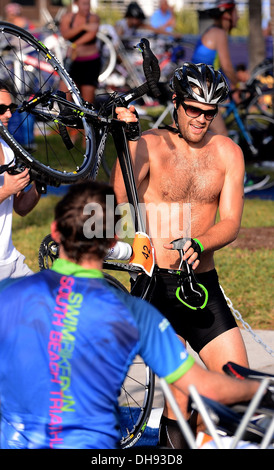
(189,291)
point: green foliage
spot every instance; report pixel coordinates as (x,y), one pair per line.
(109,15)
(187,22)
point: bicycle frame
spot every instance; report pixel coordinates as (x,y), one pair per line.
(231,108)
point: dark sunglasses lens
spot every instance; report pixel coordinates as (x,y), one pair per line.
(209,115)
(194,112)
(4,108)
(13,108)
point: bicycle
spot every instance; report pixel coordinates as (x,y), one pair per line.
(55,111)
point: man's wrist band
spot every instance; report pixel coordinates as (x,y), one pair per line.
(199,243)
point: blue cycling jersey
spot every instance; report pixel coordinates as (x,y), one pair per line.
(203,54)
(67,340)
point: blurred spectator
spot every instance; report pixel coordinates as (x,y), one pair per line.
(81,29)
(213,48)
(13,197)
(133,21)
(13,14)
(163,17)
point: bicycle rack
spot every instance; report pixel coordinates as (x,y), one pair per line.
(199,404)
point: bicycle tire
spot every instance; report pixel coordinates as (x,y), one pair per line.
(49,149)
(137,393)
(261,130)
(108,56)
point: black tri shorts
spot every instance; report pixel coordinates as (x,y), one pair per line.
(86,72)
(197,327)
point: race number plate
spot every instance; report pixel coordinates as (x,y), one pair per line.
(143,253)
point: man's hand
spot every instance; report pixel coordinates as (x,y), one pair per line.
(130,116)
(126,114)
(14,184)
(191,249)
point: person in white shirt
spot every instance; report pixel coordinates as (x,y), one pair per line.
(12,197)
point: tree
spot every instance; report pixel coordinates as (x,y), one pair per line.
(256,42)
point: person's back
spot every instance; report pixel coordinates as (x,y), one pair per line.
(204,53)
(57,335)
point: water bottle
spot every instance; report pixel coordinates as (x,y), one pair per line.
(121,250)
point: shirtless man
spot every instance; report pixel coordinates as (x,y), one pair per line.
(191,165)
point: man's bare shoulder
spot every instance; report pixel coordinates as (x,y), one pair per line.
(226,148)
(223,142)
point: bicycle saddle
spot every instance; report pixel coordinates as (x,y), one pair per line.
(190,292)
(240,372)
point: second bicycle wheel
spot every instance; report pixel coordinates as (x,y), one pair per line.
(44,133)
(136,397)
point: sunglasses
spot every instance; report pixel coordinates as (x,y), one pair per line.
(193,112)
(3,108)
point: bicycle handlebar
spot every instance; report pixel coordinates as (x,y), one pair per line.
(152,74)
(150,66)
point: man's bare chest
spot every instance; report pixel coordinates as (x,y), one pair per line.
(190,180)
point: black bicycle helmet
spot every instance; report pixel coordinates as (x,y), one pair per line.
(199,82)
(220,7)
(134,11)
(225,5)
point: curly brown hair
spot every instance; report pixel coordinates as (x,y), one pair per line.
(85,218)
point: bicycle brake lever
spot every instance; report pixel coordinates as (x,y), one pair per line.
(191,293)
(12,168)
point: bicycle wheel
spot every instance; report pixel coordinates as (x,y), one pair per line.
(57,144)
(107,54)
(261,129)
(136,397)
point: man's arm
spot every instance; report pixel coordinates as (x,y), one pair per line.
(231,200)
(24,202)
(139,155)
(222,47)
(218,387)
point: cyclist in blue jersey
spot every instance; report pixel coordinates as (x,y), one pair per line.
(67,339)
